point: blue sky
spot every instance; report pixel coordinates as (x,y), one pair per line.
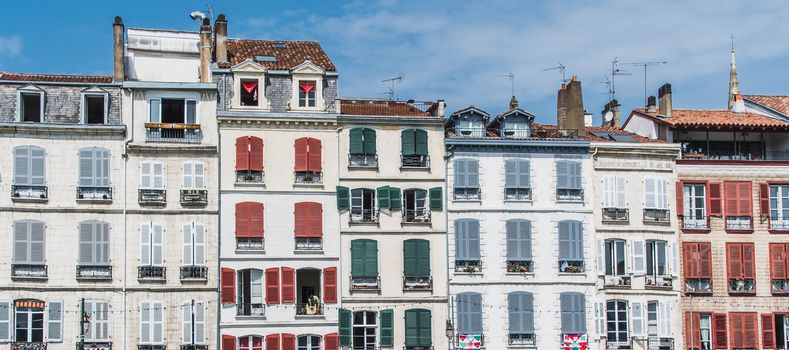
(456,50)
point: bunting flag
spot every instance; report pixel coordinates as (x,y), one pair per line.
(249,86)
(469,341)
(307,87)
(575,342)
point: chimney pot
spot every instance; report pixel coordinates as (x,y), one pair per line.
(664,97)
(651,104)
(118,44)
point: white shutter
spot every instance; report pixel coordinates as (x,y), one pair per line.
(145,322)
(157,322)
(88,307)
(639,258)
(621,201)
(54,313)
(664,320)
(637,317)
(188,175)
(256,286)
(188,247)
(157,245)
(662,195)
(200,314)
(102,166)
(158,175)
(199,175)
(600,255)
(5,321)
(86,167)
(186,320)
(199,244)
(609,192)
(146,175)
(600,319)
(649,193)
(673,249)
(101,321)
(145,244)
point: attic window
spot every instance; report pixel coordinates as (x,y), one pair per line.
(94,108)
(279,45)
(249,92)
(307,93)
(31,104)
(265,59)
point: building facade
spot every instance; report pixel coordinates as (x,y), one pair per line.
(392,225)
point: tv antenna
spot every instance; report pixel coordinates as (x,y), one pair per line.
(615,71)
(511,77)
(392,81)
(560,68)
(645,65)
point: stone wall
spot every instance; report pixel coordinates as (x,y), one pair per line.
(278,92)
(62,103)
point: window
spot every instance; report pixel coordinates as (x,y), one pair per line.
(173,120)
(416,206)
(699,331)
(520,306)
(657,265)
(29,321)
(739,211)
(616,323)
(417,329)
(743,330)
(516,129)
(363,205)
(568,181)
(695,207)
(740,267)
(31,105)
(470,127)
(775,331)
(364,330)
(362,151)
(614,201)
(250,342)
(655,201)
(94,249)
(249,159)
(573,312)
(193,264)
(94,174)
(98,323)
(779,207)
(414,152)
(307,93)
(469,314)
(416,265)
(193,176)
(308,226)
(659,331)
(249,226)
(519,257)
(467,252)
(571,248)
(697,258)
(151,323)
(249,300)
(779,268)
(94,108)
(193,318)
(249,92)
(652,320)
(151,250)
(466,185)
(364,264)
(29,247)
(29,173)
(309,342)
(615,257)
(308,160)
(517,184)
(151,176)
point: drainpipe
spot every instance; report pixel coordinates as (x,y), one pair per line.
(219,224)
(339,229)
(594,154)
(125,157)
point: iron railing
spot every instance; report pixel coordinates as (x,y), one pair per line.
(466,193)
(194,347)
(194,272)
(569,194)
(29,192)
(695,222)
(517,194)
(415,161)
(309,244)
(619,344)
(360,283)
(739,222)
(95,272)
(94,193)
(416,216)
(659,281)
(617,281)
(194,197)
(660,343)
(741,285)
(363,160)
(151,196)
(364,216)
(94,345)
(417,283)
(468,266)
(656,216)
(251,309)
(780,286)
(737,156)
(250,176)
(522,339)
(616,215)
(250,243)
(151,347)
(505,133)
(151,272)
(35,345)
(520,266)
(38,271)
(572,266)
(308,177)
(698,286)
(309,309)
(173,133)
(780,224)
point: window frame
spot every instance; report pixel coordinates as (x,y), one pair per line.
(95,243)
(29,242)
(621,308)
(365,327)
(96,322)
(776,205)
(84,110)
(152,174)
(245,277)
(150,253)
(310,344)
(30,90)
(612,258)
(306,98)
(250,339)
(653,254)
(152,307)
(186,102)
(191,309)
(193,176)
(193,244)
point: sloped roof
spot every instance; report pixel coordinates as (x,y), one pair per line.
(776,103)
(56,78)
(385,108)
(699,118)
(286,54)
(596,134)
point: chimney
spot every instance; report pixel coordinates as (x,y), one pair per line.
(513,103)
(220,38)
(664,96)
(739,104)
(574,119)
(613,107)
(651,104)
(117,47)
(561,107)
(205,50)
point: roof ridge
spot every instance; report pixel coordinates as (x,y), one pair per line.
(58,74)
(276,40)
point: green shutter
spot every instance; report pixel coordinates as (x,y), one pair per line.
(420,142)
(343,198)
(416,258)
(371,258)
(357,257)
(357,141)
(436,199)
(411,328)
(407,140)
(383,197)
(345,327)
(423,257)
(369,141)
(387,328)
(395,202)
(409,258)
(425,338)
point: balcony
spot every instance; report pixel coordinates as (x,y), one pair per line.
(194,273)
(364,216)
(150,272)
(656,217)
(363,283)
(250,243)
(739,223)
(362,160)
(173,133)
(309,309)
(728,155)
(571,266)
(517,194)
(698,286)
(520,266)
(194,197)
(569,194)
(780,286)
(417,347)
(522,339)
(659,282)
(30,193)
(151,196)
(741,286)
(95,345)
(695,223)
(468,266)
(779,224)
(249,177)
(616,215)
(660,343)
(256,310)
(94,272)
(415,283)
(415,161)
(94,193)
(28,346)
(418,216)
(494,133)
(194,347)
(474,133)
(617,281)
(308,177)
(151,347)
(311,244)
(619,344)
(466,193)
(29,271)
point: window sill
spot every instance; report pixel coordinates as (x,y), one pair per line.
(780,294)
(362,167)
(308,252)
(194,280)
(376,290)
(363,223)
(414,168)
(738,231)
(570,201)
(250,318)
(95,200)
(308,185)
(151,279)
(469,200)
(416,223)
(698,294)
(29,278)
(695,230)
(250,184)
(519,274)
(310,317)
(742,294)
(29,199)
(582,273)
(615,222)
(250,251)
(464,273)
(514,200)
(778,231)
(656,223)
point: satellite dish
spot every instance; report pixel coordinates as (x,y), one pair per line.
(608,116)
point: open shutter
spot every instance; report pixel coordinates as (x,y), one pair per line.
(407,142)
(228,342)
(242,153)
(714,199)
(664,320)
(356,141)
(639,262)
(5,321)
(395,200)
(228,286)
(301,212)
(778,263)
(54,321)
(720,340)
(639,319)
(383,194)
(674,267)
(461,173)
(345,324)
(288,285)
(357,258)
(22,165)
(692,336)
(157,245)
(748,266)
(768,331)
(680,201)
(272,286)
(343,198)
(371,258)
(369,141)
(272,342)
(599,319)
(288,341)
(301,162)
(242,219)
(186,322)
(600,252)
(387,328)
(186,232)
(255,153)
(330,342)
(314,155)
(436,199)
(705,261)
(330,285)
(420,142)
(764,200)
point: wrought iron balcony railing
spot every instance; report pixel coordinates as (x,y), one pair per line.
(94,272)
(36,345)
(572,266)
(363,160)
(520,266)
(252,309)
(660,343)
(250,243)
(739,223)
(250,177)
(309,309)
(32,271)
(517,194)
(362,283)
(150,272)
(194,197)
(94,193)
(656,216)
(569,194)
(309,244)
(364,216)
(308,177)
(698,286)
(659,281)
(619,281)
(194,272)
(151,347)
(616,215)
(151,196)
(94,345)
(522,339)
(415,161)
(466,193)
(695,222)
(417,283)
(416,216)
(29,192)
(173,133)
(468,266)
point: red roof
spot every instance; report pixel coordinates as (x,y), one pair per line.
(695,118)
(777,103)
(286,55)
(551,131)
(56,78)
(386,108)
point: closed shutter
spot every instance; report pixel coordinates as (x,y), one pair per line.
(37,166)
(198,175)
(199,244)
(228,342)
(570,240)
(345,325)
(650,192)
(369,141)
(521,312)
(416,258)
(768,331)
(461,173)
(408,146)
(621,201)
(719,330)
(188,175)
(566,303)
(330,342)
(255,153)
(412,328)
(436,199)
(574,175)
(705,262)
(37,244)
(371,258)
(734,260)
(242,155)
(86,170)
(146,175)
(157,245)
(420,142)
(516,173)
(357,258)
(288,341)
(154,111)
(102,167)
(330,285)
(395,198)
(609,192)
(383,194)
(188,247)
(157,322)
(467,240)
(469,306)
(228,277)
(518,240)
(272,285)
(387,328)
(314,155)
(562,176)
(748,261)
(145,322)
(55,321)
(638,317)
(288,279)
(145,244)
(778,261)
(472,173)
(87,242)
(22,165)
(249,220)
(272,342)
(356,141)
(343,198)
(639,263)
(714,199)
(364,258)
(5,321)
(424,329)
(301,162)
(738,198)
(186,322)
(301,214)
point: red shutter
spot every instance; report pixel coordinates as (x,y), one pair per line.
(750,322)
(690,259)
(331,341)
(745,193)
(272,287)
(778,263)
(705,260)
(255,153)
(288,341)
(314,155)
(732,199)
(748,261)
(288,285)
(692,334)
(301,223)
(242,153)
(272,342)
(228,286)
(301,155)
(714,198)
(734,260)
(679,197)
(719,331)
(242,219)
(315,220)
(764,200)
(256,215)
(330,285)
(228,342)
(768,331)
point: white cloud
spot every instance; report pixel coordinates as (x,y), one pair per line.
(10,45)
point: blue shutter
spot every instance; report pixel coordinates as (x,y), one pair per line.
(518,240)
(461,173)
(472,174)
(562,174)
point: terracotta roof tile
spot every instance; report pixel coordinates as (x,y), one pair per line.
(696,118)
(777,103)
(598,129)
(56,78)
(291,54)
(386,108)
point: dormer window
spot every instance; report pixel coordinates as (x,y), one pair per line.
(249,92)
(307,93)
(249,84)
(516,129)
(471,128)
(30,104)
(94,106)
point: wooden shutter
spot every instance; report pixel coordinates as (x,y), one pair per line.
(242,219)
(383,194)
(424,328)
(693,334)
(86,167)
(461,173)
(705,260)
(272,342)
(690,259)
(5,321)
(472,173)
(778,261)
(54,315)
(343,198)
(314,155)
(416,258)
(356,141)
(407,142)
(420,142)
(369,141)
(256,216)
(738,198)
(228,285)
(714,199)
(744,333)
(768,331)
(37,166)
(301,148)
(228,342)
(639,258)
(22,165)
(242,154)
(387,328)
(518,234)
(748,261)
(638,319)
(734,260)
(679,197)
(330,285)
(345,325)
(357,257)
(315,220)
(272,287)
(288,285)
(255,153)
(288,341)
(409,258)
(436,199)
(301,212)
(330,341)
(395,199)
(371,258)
(720,340)
(764,200)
